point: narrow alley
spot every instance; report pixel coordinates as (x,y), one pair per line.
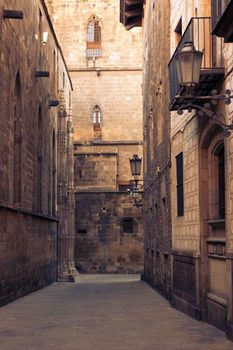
(116,161)
(102,312)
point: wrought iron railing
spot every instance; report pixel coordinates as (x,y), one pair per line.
(199,32)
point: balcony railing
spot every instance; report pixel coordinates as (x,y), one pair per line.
(212,72)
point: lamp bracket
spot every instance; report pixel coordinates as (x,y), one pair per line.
(136,191)
(190,102)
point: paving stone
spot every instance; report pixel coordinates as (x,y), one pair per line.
(103,312)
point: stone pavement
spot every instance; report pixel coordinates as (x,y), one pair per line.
(102,312)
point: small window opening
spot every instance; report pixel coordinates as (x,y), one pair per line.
(82,231)
(180,186)
(221,183)
(128,225)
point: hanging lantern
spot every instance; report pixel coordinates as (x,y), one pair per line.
(188,65)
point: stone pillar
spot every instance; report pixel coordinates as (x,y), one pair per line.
(65,195)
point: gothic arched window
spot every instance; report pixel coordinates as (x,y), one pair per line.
(96,120)
(93,37)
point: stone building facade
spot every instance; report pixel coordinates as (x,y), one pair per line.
(34,77)
(105,65)
(200,170)
(156,117)
(156,125)
(201,261)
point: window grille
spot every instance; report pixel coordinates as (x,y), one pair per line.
(93,38)
(94,53)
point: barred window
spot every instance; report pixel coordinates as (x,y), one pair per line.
(93,38)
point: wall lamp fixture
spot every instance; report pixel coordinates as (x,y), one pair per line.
(188,66)
(136,188)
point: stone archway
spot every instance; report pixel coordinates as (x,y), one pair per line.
(213,235)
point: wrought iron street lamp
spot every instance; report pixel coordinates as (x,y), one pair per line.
(136,189)
(135,165)
(188,66)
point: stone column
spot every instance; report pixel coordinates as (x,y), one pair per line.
(65,198)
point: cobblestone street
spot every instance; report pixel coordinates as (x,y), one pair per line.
(102,312)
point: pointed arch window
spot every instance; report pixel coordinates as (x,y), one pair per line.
(93,37)
(96,120)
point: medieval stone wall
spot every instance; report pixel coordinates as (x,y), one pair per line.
(28,145)
(119,48)
(112,82)
(102,246)
(120,101)
(157,145)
